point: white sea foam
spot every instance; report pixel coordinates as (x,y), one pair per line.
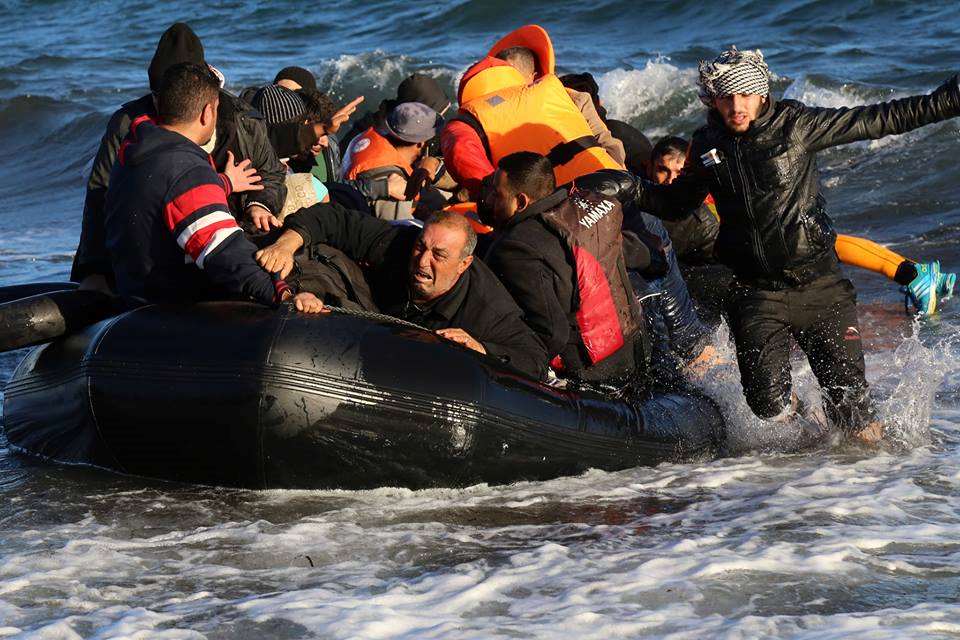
(761,545)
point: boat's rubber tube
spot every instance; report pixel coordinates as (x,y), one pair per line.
(18,291)
(45,316)
(237,394)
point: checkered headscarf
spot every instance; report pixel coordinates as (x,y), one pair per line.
(733,72)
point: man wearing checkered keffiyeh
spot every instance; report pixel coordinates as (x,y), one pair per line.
(757,157)
(737,84)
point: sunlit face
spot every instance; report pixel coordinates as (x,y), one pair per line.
(437,262)
(287,83)
(501,202)
(739,110)
(208,121)
(667,168)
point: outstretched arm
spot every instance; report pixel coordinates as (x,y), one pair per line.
(818,128)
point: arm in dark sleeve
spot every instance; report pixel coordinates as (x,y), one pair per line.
(530,282)
(91,257)
(511,341)
(821,128)
(272,172)
(687,335)
(289,139)
(197,215)
(359,235)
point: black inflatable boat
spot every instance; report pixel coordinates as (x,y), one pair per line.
(236,394)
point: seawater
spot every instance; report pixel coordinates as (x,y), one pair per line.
(838,542)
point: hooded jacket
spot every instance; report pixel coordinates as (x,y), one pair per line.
(774,228)
(239,130)
(168,232)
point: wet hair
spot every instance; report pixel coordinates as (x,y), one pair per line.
(184,91)
(669,146)
(319,106)
(520,58)
(456,221)
(529,173)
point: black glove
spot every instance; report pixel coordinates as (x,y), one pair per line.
(612,183)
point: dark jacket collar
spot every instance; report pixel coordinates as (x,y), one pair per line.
(449,303)
(552,201)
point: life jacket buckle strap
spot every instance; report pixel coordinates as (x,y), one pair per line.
(567,151)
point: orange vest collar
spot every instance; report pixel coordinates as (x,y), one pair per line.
(535,38)
(371,151)
(487,76)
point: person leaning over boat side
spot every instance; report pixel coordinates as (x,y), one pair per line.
(428,277)
(561,257)
(240,138)
(757,158)
(166,200)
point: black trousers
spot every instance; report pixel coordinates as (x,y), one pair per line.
(822,318)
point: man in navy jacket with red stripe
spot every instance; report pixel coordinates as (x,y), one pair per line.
(170,234)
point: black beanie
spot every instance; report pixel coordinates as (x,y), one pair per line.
(299,75)
(177,44)
(278,104)
(423,89)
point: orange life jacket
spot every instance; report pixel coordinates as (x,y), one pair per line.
(542,118)
(469,211)
(533,37)
(510,116)
(372,151)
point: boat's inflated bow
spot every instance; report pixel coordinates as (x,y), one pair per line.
(237,394)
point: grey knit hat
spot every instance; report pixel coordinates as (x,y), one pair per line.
(278,104)
(734,72)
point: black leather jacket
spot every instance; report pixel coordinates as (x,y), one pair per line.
(774,230)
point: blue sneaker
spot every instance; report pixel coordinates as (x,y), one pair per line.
(922,291)
(945,285)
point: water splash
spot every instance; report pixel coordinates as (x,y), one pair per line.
(903,382)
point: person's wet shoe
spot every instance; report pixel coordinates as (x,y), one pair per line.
(922,292)
(945,284)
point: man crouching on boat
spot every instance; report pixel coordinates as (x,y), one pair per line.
(170,234)
(428,277)
(561,256)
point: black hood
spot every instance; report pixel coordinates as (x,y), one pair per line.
(177,44)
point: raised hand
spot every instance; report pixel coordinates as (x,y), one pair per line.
(242,176)
(341,116)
